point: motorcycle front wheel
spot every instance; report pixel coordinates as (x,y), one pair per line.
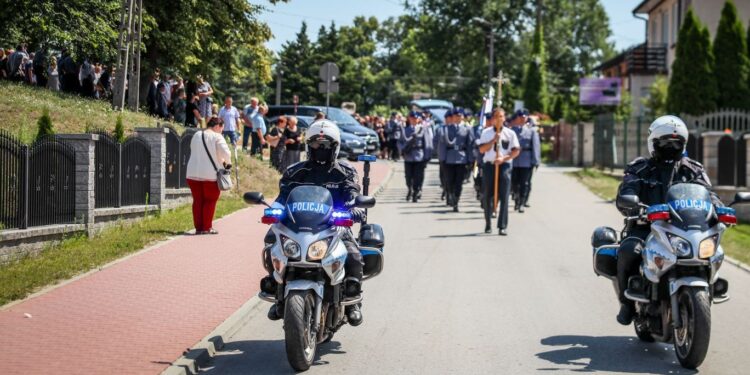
(691,340)
(299,319)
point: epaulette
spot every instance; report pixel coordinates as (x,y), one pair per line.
(637,166)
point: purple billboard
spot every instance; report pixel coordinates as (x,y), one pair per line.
(600,91)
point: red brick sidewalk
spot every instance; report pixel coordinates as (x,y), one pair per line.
(138,315)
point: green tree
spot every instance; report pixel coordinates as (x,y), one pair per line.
(535,81)
(558,108)
(656,101)
(692,88)
(732,66)
(45,126)
(300,69)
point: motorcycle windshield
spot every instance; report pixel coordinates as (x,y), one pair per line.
(691,206)
(308,209)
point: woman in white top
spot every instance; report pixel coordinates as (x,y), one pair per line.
(201,173)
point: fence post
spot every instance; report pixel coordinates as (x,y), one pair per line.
(156,139)
(25,157)
(711,154)
(84,146)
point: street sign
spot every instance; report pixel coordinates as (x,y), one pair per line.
(332,87)
(329,72)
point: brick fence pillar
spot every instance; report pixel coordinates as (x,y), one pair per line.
(156,139)
(85,169)
(711,154)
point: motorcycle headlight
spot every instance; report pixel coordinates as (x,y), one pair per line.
(317,250)
(290,247)
(707,248)
(680,246)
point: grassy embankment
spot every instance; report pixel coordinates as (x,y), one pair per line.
(20,107)
(736,241)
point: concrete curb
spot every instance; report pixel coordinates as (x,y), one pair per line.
(737,263)
(201,353)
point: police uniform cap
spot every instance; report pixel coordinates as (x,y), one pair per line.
(415,114)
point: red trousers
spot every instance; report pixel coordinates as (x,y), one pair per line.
(205,196)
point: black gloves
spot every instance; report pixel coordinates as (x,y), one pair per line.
(358,214)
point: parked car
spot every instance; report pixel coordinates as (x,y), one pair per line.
(437,107)
(351,145)
(345,121)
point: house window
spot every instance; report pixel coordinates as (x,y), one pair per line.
(652,37)
(664,28)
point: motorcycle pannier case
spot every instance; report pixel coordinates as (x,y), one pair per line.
(604,242)
(371,241)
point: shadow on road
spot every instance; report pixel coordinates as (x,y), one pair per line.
(610,354)
(266,357)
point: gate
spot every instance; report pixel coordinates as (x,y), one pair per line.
(727,161)
(172,174)
(136,172)
(741,161)
(13,165)
(107,178)
(185,155)
(604,132)
(52,183)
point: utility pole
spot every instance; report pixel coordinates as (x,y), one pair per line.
(135,82)
(123,48)
(279,74)
(491,71)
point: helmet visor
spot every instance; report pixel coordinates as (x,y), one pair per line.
(320,143)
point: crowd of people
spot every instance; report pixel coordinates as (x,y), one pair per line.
(56,71)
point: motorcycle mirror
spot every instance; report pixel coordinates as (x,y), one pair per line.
(741,197)
(364,201)
(254,198)
(628,201)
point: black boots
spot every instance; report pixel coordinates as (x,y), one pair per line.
(354,315)
(276,312)
(625,316)
(408,195)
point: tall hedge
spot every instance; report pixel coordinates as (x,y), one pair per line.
(692,88)
(732,66)
(535,80)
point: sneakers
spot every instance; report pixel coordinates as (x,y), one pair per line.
(625,316)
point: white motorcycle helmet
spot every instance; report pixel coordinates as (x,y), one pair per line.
(323,139)
(667,138)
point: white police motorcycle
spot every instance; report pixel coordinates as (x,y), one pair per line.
(679,277)
(307,259)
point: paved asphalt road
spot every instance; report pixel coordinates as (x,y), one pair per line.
(453,300)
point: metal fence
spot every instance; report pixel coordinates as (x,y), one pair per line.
(735,120)
(122,171)
(38,184)
(178,154)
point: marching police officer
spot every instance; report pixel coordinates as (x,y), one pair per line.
(455,148)
(415,145)
(527,160)
(499,146)
(538,151)
(438,134)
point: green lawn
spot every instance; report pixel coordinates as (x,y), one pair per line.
(22,105)
(601,184)
(736,241)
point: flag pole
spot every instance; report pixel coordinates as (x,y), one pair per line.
(498,130)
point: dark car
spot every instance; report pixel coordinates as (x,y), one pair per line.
(351,145)
(345,121)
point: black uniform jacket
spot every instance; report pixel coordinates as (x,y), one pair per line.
(340,179)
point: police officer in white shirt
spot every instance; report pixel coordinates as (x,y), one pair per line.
(498,148)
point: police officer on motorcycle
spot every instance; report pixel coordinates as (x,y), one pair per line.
(322,168)
(649,179)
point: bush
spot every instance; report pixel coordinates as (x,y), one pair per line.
(45,126)
(119,130)
(656,102)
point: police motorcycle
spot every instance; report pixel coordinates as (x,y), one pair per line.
(679,277)
(307,260)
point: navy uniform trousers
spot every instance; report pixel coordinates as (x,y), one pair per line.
(488,193)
